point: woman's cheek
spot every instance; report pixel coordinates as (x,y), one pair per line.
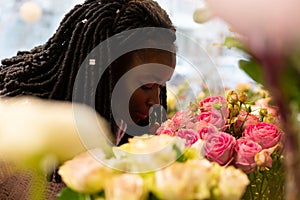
(138,98)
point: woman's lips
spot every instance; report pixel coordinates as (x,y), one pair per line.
(141,115)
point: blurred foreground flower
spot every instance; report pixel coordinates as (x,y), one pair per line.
(199,179)
(35,132)
(157,152)
(268,24)
(182,179)
(37,135)
(126,186)
(85,173)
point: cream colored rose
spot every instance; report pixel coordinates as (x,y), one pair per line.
(232,183)
(125,186)
(85,173)
(189,180)
(148,153)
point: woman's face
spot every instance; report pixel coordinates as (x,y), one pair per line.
(141,79)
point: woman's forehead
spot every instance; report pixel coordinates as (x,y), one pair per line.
(149,64)
(154,56)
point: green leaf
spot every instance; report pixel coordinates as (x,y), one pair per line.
(253,69)
(232,42)
(290,85)
(179,155)
(268,184)
(67,194)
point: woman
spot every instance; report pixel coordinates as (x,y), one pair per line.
(114,55)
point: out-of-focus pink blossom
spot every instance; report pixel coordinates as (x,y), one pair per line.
(265,134)
(264,103)
(269,25)
(214,118)
(181,118)
(245,151)
(204,128)
(189,135)
(219,147)
(244,120)
(166,128)
(213,104)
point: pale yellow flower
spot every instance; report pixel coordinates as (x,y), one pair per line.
(148,153)
(182,181)
(125,186)
(33,130)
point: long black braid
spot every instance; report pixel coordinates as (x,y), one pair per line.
(49,71)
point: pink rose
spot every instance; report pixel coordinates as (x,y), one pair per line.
(245,152)
(214,103)
(181,118)
(218,147)
(264,103)
(189,135)
(265,134)
(244,120)
(166,128)
(165,131)
(204,128)
(214,118)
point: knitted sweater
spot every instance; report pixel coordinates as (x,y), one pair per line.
(16,185)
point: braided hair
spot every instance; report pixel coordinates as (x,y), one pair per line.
(48,71)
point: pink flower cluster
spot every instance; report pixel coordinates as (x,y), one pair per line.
(210,122)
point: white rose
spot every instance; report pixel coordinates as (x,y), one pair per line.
(232,183)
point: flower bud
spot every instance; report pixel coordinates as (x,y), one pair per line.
(193,107)
(243,97)
(233,110)
(263,112)
(202,15)
(232,97)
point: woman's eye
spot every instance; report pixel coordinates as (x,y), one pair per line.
(162,85)
(148,86)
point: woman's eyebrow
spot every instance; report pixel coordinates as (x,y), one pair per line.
(154,78)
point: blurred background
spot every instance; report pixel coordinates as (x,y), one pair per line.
(202,61)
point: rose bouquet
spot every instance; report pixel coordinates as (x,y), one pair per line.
(217,148)
(150,167)
(237,131)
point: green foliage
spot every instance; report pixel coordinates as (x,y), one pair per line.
(232,42)
(250,67)
(290,85)
(253,69)
(69,194)
(268,184)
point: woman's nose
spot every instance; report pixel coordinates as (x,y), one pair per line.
(154,96)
